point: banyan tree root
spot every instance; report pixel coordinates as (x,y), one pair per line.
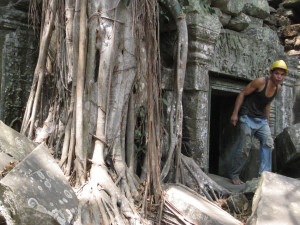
(101,201)
(210,189)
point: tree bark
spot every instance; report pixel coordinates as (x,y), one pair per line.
(80,152)
(39,73)
(182,48)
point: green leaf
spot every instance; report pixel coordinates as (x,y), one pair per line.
(165,102)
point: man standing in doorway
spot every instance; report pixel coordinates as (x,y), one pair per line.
(251,113)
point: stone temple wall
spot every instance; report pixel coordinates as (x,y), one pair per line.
(18,54)
(227,49)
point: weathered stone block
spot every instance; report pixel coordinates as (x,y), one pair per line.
(231,7)
(288,148)
(203,27)
(37,187)
(195,102)
(276,201)
(5,160)
(289,43)
(196,77)
(239,23)
(291,30)
(264,34)
(246,55)
(195,126)
(13,143)
(168,77)
(18,62)
(257,8)
(223,17)
(293,52)
(297,43)
(196,208)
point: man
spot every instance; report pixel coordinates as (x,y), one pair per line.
(252,109)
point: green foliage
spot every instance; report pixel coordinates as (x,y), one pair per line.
(165,101)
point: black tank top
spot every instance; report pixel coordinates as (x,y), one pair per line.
(255,104)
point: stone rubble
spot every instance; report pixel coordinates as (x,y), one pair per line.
(34,191)
(276,201)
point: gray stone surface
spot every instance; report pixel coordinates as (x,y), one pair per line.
(257,8)
(195,126)
(36,190)
(5,160)
(197,208)
(231,7)
(223,17)
(14,144)
(248,55)
(18,54)
(288,148)
(276,201)
(239,23)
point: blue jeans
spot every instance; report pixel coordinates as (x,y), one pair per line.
(260,129)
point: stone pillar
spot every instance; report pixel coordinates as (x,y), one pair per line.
(18,55)
(204,30)
(296,108)
(285,104)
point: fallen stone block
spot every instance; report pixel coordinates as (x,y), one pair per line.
(276,201)
(288,149)
(231,7)
(14,144)
(195,208)
(5,160)
(239,23)
(257,8)
(36,192)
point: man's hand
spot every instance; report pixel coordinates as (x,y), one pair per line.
(234,119)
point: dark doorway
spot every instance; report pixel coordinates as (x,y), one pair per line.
(222,133)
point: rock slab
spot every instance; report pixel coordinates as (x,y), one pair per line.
(276,201)
(36,192)
(288,149)
(197,208)
(14,144)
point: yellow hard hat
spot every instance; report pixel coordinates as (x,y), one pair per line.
(280,64)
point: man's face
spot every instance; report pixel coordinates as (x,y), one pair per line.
(277,75)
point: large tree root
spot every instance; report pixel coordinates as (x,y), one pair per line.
(103,202)
(208,187)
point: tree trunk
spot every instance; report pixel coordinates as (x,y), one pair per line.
(80,152)
(39,73)
(112,67)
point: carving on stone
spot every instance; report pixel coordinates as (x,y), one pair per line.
(241,56)
(67,194)
(58,215)
(47,184)
(32,203)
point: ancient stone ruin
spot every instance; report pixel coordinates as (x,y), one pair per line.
(18,54)
(227,49)
(33,189)
(229,45)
